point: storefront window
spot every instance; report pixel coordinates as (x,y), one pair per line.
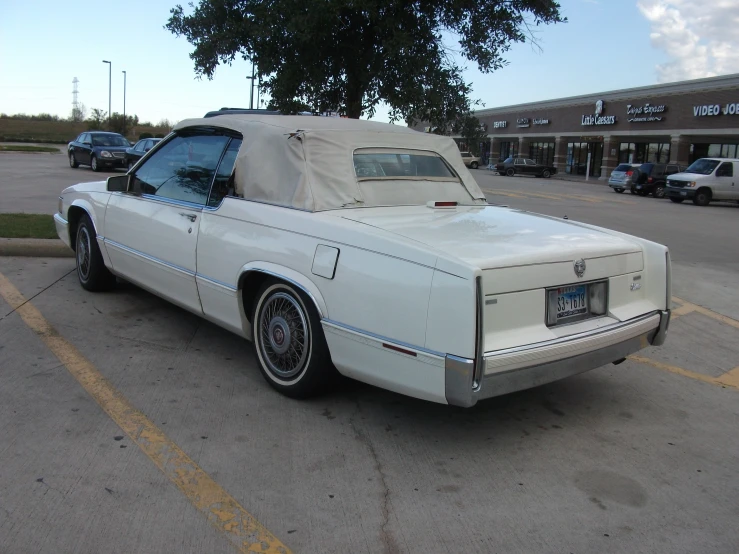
(644,152)
(508,150)
(699,150)
(542,152)
(577,158)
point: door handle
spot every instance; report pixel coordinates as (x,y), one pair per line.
(191,217)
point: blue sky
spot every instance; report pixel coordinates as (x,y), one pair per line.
(607,44)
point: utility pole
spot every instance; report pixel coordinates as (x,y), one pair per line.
(251,88)
(124,103)
(110,82)
(75,103)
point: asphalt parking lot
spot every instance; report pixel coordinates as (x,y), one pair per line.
(128,425)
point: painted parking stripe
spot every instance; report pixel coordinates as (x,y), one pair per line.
(729,379)
(222,510)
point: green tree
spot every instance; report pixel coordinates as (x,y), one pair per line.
(97,119)
(472,132)
(350,55)
(119,125)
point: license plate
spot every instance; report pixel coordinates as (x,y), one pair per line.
(571,301)
(638,186)
(683,193)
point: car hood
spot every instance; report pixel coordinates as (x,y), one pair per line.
(491,237)
(92,186)
(688,176)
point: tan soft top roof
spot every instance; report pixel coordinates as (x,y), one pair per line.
(307,162)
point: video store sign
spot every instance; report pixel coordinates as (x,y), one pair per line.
(716,109)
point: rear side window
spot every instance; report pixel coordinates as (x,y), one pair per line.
(726,169)
(385,163)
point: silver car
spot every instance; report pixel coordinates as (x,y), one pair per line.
(622,177)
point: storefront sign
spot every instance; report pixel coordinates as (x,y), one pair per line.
(500,124)
(598,118)
(645,113)
(715,109)
(523,122)
(541,122)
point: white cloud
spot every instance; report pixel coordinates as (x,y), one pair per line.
(700,38)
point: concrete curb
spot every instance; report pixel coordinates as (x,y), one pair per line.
(36,248)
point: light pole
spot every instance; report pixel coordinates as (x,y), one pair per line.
(251,88)
(124,103)
(110,81)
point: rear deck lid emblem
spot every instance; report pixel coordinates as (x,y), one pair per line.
(580,267)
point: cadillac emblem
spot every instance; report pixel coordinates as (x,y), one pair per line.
(580,267)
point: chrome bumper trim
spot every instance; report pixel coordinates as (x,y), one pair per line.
(635,335)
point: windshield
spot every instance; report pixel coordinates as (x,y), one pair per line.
(109,140)
(702,166)
(401,164)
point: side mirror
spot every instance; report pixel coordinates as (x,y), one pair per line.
(87,144)
(118,183)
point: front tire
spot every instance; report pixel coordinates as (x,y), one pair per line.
(702,197)
(677,200)
(73,163)
(473,165)
(510,172)
(91,270)
(291,348)
(94,164)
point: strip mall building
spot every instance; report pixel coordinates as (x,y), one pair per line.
(676,122)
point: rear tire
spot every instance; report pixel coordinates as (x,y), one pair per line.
(546,174)
(291,348)
(473,165)
(702,197)
(73,163)
(510,172)
(91,270)
(659,191)
(677,200)
(620,191)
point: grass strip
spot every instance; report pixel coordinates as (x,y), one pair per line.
(27,226)
(26,148)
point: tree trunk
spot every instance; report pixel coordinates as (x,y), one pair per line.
(354,96)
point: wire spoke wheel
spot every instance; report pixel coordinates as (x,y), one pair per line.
(84,248)
(283,336)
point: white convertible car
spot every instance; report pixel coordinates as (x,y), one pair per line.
(367,248)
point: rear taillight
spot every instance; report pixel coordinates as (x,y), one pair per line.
(649,180)
(629,173)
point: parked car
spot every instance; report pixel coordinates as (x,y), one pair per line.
(98,149)
(368,249)
(134,153)
(706,180)
(470,160)
(524,166)
(651,178)
(622,177)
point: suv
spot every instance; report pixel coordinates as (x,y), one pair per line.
(470,160)
(705,180)
(650,178)
(622,177)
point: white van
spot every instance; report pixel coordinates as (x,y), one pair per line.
(705,180)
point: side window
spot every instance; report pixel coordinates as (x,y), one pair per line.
(139,146)
(148,145)
(671,169)
(79,138)
(726,169)
(182,169)
(85,137)
(530,162)
(518,161)
(223,183)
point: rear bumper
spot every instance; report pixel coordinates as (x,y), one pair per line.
(516,369)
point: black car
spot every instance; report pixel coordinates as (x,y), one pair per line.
(98,149)
(135,153)
(524,166)
(650,178)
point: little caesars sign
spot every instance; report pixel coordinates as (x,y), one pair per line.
(598,118)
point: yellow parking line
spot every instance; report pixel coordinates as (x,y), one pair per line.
(730,379)
(688,307)
(222,510)
(501,193)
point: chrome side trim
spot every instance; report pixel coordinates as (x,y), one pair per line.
(140,254)
(381,338)
(202,277)
(60,219)
(478,370)
(172,201)
(570,338)
(287,279)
